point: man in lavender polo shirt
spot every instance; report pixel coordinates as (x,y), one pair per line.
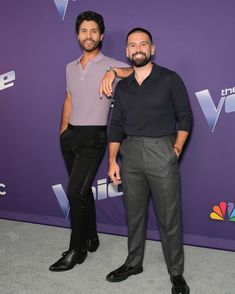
(87,107)
(83,133)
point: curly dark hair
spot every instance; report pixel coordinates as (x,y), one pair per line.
(90,15)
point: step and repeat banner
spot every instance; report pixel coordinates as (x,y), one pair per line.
(194,38)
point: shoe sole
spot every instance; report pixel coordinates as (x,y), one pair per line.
(62,270)
(136,272)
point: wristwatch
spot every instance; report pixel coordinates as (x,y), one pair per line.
(110,68)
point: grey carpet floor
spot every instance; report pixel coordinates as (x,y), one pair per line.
(27,250)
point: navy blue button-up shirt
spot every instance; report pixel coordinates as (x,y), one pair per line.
(158,107)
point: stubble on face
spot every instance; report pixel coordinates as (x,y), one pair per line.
(139,49)
(89,36)
(139,59)
(89,45)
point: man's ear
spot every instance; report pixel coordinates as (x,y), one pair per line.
(153,49)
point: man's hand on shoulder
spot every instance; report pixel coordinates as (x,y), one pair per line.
(107,83)
(111,74)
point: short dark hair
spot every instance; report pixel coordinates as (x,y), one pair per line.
(90,15)
(140,30)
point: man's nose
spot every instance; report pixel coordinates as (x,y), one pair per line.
(138,48)
(88,34)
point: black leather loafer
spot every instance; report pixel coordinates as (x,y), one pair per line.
(179,286)
(92,244)
(68,260)
(123,272)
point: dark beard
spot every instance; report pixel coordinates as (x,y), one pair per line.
(91,49)
(139,63)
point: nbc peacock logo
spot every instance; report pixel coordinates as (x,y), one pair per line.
(223,212)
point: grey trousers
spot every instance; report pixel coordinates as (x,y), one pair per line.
(151,165)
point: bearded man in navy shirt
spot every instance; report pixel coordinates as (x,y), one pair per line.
(152,112)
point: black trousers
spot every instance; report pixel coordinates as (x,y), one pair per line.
(83,148)
(151,164)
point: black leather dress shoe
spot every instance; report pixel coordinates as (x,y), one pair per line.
(179,286)
(123,273)
(92,244)
(69,260)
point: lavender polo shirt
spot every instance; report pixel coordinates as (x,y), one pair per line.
(83,85)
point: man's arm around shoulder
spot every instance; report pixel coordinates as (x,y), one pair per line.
(110,76)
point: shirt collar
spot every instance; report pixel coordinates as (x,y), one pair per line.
(154,74)
(96,59)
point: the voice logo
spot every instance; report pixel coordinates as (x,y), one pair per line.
(210,111)
(6,80)
(102,190)
(2,189)
(61,6)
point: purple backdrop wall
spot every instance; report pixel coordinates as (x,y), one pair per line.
(195,39)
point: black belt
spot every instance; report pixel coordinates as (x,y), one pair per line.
(87,128)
